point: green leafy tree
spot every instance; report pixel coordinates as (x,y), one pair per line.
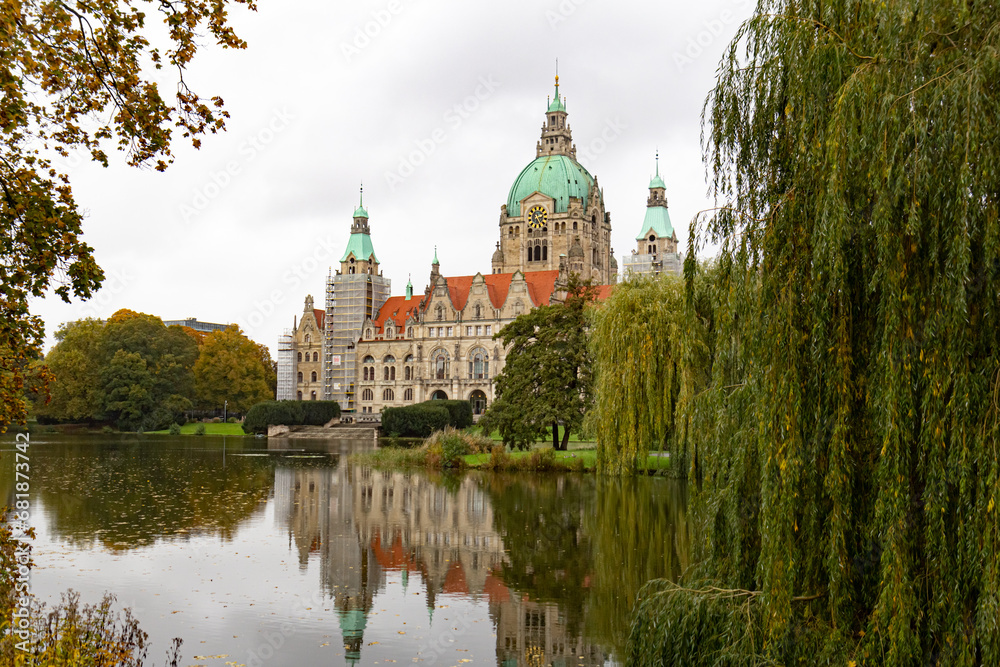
(232,368)
(76,76)
(131,370)
(849,491)
(546,379)
(75,394)
(129,391)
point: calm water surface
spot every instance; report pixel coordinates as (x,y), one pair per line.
(277,552)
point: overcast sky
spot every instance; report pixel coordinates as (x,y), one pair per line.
(436,105)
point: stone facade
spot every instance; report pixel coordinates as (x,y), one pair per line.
(307,344)
(441,346)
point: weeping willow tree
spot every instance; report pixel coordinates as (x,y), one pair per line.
(848,443)
(635,342)
(643,340)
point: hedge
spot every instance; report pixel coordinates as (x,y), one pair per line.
(318,413)
(271,413)
(459,412)
(289,413)
(415,421)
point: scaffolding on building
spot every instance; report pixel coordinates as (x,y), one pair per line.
(641,264)
(350,300)
(286,367)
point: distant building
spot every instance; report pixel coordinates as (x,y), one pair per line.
(368,350)
(286,367)
(656,244)
(193,323)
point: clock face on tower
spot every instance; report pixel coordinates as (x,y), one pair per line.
(537,217)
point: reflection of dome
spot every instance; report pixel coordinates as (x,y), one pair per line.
(352,624)
(556,176)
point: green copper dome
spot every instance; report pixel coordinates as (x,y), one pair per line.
(657,182)
(556,176)
(657,222)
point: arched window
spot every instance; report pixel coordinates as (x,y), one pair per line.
(517,230)
(300,356)
(406,372)
(545,252)
(479,364)
(308,339)
(538,253)
(574,225)
(368,334)
(440,365)
(439,313)
(388,331)
(312,396)
(313,377)
(385,372)
(300,377)
(299,395)
(369,359)
(409,332)
(315,356)
(510,232)
(364,373)
(392,372)
(389,359)
(367,395)
(408,395)
(388,395)
(350,269)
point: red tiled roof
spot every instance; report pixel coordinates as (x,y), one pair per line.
(603,292)
(540,287)
(320,316)
(541,284)
(397,309)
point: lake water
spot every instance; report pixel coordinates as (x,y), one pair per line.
(280,552)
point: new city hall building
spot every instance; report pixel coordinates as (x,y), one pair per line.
(368,350)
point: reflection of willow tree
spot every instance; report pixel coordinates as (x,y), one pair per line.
(128,496)
(639,532)
(548,554)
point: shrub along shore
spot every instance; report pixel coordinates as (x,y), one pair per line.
(456,449)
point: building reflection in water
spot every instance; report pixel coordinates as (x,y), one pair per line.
(362,524)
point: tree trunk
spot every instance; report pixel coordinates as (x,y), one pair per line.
(555,436)
(565,439)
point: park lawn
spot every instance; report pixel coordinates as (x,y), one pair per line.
(210,429)
(584,451)
(573,437)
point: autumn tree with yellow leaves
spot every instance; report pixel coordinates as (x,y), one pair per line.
(76,76)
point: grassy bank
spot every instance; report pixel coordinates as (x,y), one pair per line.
(461,450)
(210,429)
